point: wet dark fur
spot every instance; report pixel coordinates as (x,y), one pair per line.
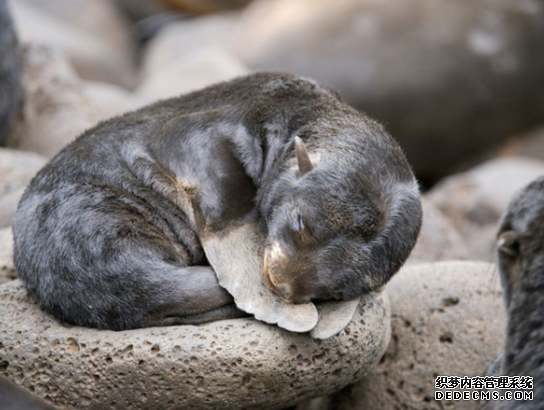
(521,266)
(108,233)
(10,73)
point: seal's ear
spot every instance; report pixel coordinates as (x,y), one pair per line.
(507,243)
(303,159)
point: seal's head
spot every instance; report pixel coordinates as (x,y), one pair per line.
(520,242)
(333,232)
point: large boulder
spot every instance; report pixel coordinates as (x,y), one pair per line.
(190,73)
(448,319)
(93,34)
(56,108)
(448,78)
(438,239)
(231,364)
(475,200)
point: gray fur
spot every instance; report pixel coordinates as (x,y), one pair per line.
(10,73)
(108,233)
(521,264)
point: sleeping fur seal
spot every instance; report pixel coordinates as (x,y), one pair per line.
(109,234)
(520,250)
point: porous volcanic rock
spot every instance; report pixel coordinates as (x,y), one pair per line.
(448,78)
(231,364)
(475,200)
(448,319)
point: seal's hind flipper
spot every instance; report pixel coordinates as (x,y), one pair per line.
(190,295)
(237,258)
(333,317)
(171,319)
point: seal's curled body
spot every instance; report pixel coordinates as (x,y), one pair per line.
(108,234)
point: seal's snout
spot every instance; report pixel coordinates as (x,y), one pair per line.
(274,263)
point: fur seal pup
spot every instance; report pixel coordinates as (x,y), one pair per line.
(109,232)
(10,73)
(520,250)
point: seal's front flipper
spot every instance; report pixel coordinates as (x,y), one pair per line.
(333,317)
(237,257)
(189,295)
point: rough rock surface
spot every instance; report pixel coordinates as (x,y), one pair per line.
(56,109)
(475,200)
(448,319)
(7,268)
(438,239)
(16,170)
(92,33)
(461,77)
(231,364)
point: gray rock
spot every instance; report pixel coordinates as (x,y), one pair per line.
(16,170)
(8,205)
(449,78)
(92,33)
(438,239)
(449,320)
(192,72)
(56,108)
(111,100)
(181,39)
(529,144)
(7,268)
(231,364)
(475,200)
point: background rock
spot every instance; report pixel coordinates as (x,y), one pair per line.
(438,239)
(110,100)
(7,268)
(56,109)
(448,79)
(475,200)
(17,168)
(230,364)
(448,319)
(191,73)
(181,39)
(92,33)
